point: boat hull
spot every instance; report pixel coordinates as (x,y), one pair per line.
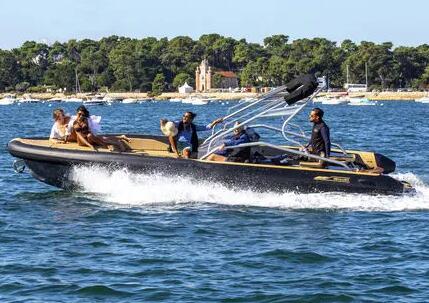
(56,166)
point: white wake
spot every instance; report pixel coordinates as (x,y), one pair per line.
(128,189)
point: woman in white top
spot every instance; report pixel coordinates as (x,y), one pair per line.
(60,132)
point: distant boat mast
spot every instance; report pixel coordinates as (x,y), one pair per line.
(77,84)
(355,87)
(366,74)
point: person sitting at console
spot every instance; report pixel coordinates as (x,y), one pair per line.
(59,130)
(320,142)
(85,137)
(184,141)
(242,154)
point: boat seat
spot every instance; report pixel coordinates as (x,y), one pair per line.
(136,144)
(139,146)
(148,144)
(317,164)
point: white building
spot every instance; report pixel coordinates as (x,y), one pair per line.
(185,89)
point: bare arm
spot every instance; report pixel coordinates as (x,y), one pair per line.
(214,122)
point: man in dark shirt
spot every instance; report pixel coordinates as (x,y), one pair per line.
(320,143)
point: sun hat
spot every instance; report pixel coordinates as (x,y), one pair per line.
(169,129)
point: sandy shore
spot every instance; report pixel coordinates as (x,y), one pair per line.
(385,96)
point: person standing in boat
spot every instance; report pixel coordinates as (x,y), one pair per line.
(320,142)
(185,140)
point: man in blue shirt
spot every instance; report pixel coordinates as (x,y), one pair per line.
(242,154)
(186,139)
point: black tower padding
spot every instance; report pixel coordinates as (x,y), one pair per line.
(300,88)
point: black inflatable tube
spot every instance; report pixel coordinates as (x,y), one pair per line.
(300,88)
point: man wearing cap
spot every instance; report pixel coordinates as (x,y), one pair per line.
(239,155)
(183,135)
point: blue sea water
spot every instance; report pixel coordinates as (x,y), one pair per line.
(146,238)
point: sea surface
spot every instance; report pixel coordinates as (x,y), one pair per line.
(146,238)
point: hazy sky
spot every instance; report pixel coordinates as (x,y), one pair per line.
(401,22)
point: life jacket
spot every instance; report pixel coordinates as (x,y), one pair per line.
(194,136)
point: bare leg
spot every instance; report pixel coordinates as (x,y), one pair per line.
(93,139)
(115,142)
(82,141)
(173,145)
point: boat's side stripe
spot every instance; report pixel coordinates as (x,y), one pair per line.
(292,167)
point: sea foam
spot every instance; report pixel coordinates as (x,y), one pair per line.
(127,189)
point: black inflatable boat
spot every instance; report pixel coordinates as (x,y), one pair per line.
(299,171)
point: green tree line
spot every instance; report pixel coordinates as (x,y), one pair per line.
(151,64)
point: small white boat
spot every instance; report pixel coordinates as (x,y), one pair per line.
(92,102)
(54,99)
(129,101)
(362,102)
(110,100)
(423,99)
(335,101)
(176,100)
(8,100)
(331,100)
(200,101)
(96,100)
(28,99)
(74,99)
(196,101)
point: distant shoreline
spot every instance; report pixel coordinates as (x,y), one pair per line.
(378,96)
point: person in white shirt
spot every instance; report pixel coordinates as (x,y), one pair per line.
(60,130)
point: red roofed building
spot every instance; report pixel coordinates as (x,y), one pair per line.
(227,74)
(204,80)
(227,79)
